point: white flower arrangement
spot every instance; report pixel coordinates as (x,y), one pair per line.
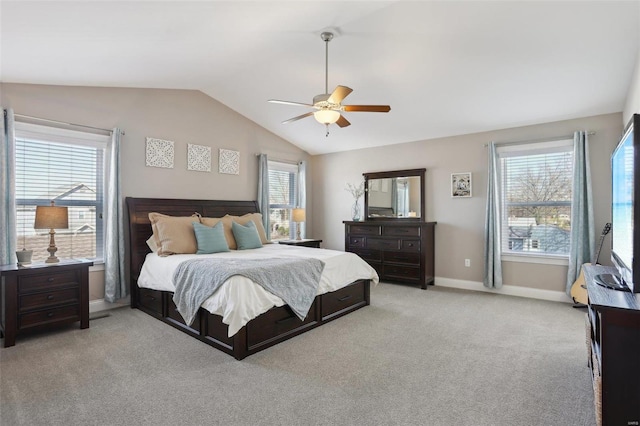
(355,191)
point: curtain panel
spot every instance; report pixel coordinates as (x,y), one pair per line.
(7,188)
(582,223)
(114,273)
(263,192)
(492,229)
(302,195)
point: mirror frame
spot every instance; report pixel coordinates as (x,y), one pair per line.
(395,174)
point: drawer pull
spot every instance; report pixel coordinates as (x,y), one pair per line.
(50,279)
(410,244)
(356,241)
(50,314)
(283,320)
(50,297)
(342,299)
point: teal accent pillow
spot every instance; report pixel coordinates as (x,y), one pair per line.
(246,235)
(210,239)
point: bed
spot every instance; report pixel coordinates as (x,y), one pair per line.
(214,323)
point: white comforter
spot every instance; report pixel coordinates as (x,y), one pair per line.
(240,300)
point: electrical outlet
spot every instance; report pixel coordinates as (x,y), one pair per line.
(467,263)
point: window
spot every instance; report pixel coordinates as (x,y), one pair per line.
(536,182)
(283,196)
(67,167)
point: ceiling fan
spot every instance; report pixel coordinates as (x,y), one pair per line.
(328,106)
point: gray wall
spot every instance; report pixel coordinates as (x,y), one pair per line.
(459,233)
(182,116)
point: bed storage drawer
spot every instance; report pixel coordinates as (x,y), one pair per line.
(150,300)
(342,300)
(176,319)
(279,322)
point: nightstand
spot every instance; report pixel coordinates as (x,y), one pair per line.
(306,242)
(43,296)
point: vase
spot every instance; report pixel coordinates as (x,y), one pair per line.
(355,212)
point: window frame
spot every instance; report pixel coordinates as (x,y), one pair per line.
(294,181)
(55,135)
(523,149)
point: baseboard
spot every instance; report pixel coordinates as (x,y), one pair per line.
(510,290)
(100,305)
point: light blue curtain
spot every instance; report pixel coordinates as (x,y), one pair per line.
(115,284)
(492,231)
(302,195)
(7,189)
(582,226)
(263,192)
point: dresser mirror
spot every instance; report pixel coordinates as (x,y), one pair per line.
(397,194)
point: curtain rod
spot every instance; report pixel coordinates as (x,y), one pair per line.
(29,117)
(556,138)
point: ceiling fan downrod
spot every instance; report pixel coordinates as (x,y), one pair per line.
(326,37)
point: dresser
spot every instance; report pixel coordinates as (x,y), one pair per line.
(400,251)
(613,347)
(43,296)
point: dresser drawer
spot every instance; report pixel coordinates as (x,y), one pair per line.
(402,272)
(364,230)
(384,243)
(49,298)
(342,299)
(357,242)
(402,257)
(368,254)
(69,313)
(48,280)
(277,322)
(411,245)
(151,300)
(401,231)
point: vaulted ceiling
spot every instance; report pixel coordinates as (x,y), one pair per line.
(446,68)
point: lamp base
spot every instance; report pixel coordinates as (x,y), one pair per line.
(298,234)
(52,249)
(52,259)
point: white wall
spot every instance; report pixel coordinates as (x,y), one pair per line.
(632,105)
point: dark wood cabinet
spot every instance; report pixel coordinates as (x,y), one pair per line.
(613,345)
(398,250)
(43,296)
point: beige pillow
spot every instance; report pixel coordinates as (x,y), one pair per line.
(227,221)
(174,234)
(151,243)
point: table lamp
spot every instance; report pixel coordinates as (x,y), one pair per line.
(51,217)
(298,216)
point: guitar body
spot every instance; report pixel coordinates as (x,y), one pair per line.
(578,288)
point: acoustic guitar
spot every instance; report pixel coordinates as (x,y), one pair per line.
(579,288)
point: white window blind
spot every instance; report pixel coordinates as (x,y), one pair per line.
(283,190)
(536,182)
(66,167)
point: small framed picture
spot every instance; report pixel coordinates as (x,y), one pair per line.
(461,185)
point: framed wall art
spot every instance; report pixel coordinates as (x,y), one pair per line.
(229,162)
(159,153)
(461,185)
(198,158)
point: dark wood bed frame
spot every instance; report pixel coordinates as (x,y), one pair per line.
(270,328)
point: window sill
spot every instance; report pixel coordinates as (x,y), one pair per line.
(532,258)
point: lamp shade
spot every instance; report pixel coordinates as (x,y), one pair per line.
(51,217)
(298,215)
(326,116)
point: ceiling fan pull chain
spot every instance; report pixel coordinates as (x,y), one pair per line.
(327,135)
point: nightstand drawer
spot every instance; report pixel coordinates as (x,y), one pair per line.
(49,316)
(49,298)
(48,280)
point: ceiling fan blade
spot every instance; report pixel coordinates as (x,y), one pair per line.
(339,93)
(343,122)
(297,118)
(276,101)
(367,108)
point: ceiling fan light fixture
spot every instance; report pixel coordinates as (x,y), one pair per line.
(326,116)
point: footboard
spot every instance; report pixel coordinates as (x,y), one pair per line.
(274,326)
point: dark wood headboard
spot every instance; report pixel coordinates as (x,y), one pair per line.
(140,227)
